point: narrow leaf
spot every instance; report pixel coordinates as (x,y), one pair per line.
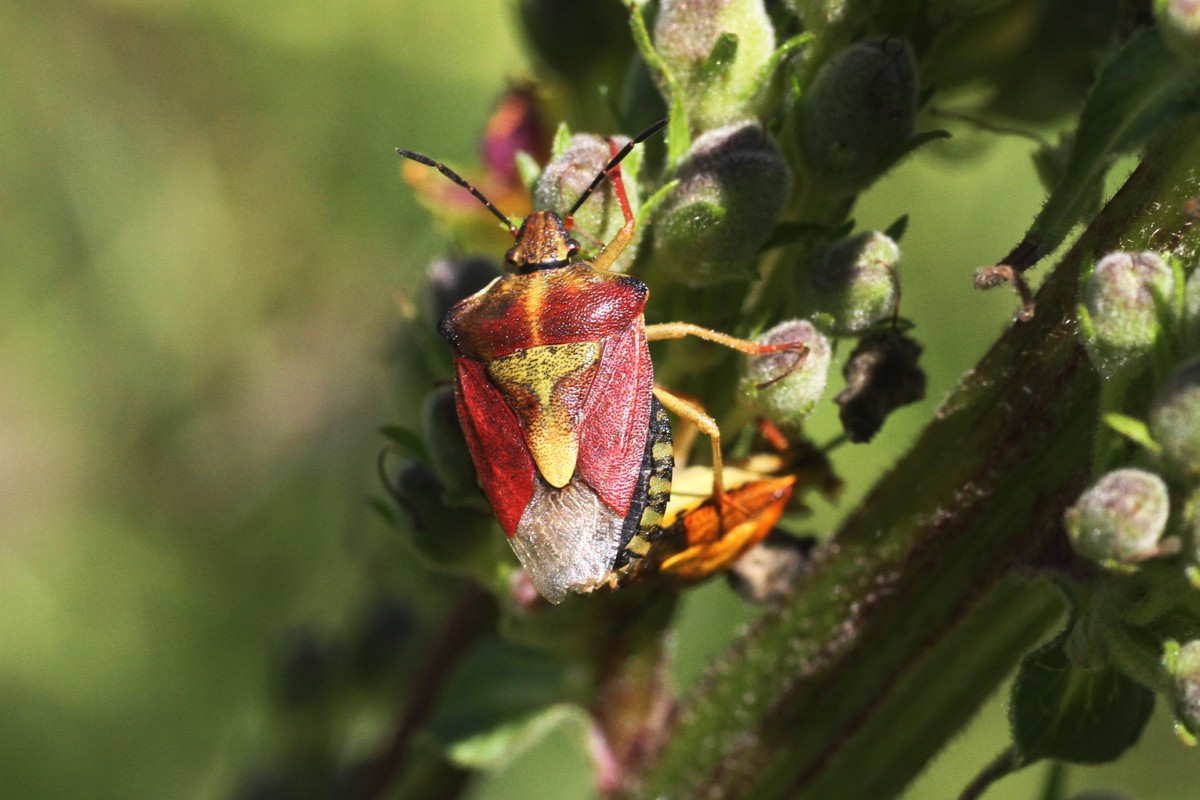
(408,441)
(1132,429)
(896,230)
(721,57)
(1135,96)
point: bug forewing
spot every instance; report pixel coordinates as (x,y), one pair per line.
(567,539)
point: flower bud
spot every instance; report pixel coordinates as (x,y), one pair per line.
(386,626)
(1179,21)
(448,455)
(715,50)
(881,375)
(1182,665)
(586,42)
(784,387)
(567,177)
(452,279)
(301,669)
(1119,520)
(1120,317)
(853,281)
(960,9)
(1191,301)
(447,537)
(858,114)
(1175,418)
(733,185)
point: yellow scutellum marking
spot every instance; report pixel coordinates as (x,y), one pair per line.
(545,387)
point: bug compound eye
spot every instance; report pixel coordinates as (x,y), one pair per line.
(511,256)
(572,247)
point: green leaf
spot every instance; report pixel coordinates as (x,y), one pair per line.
(782,53)
(502,701)
(896,230)
(790,232)
(679,135)
(492,749)
(562,140)
(918,139)
(721,57)
(1142,89)
(1132,429)
(528,168)
(654,201)
(408,441)
(1061,711)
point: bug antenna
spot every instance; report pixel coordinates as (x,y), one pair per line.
(454,176)
(615,160)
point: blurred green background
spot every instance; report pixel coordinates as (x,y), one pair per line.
(203,230)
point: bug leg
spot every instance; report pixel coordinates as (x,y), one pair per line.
(613,249)
(692,413)
(678,330)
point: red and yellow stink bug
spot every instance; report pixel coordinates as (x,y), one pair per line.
(555,392)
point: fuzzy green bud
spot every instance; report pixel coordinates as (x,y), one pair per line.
(1191,537)
(1122,309)
(452,279)
(448,454)
(852,283)
(586,42)
(453,538)
(1182,665)
(1175,418)
(785,386)
(1119,520)
(567,177)
(856,118)
(1191,301)
(715,49)
(1179,21)
(732,187)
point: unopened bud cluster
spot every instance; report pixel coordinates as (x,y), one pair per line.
(784,387)
(852,283)
(858,115)
(732,187)
(1120,519)
(1139,320)
(1125,308)
(716,51)
(1179,21)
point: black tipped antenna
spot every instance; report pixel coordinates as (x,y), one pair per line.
(454,176)
(617,159)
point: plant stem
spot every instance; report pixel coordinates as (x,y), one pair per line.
(909,620)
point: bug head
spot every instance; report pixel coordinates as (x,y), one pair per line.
(543,241)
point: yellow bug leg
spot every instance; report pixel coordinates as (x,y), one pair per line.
(692,413)
(678,330)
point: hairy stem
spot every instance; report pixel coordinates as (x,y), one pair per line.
(915,613)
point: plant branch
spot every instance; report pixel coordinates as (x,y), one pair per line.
(471,617)
(915,613)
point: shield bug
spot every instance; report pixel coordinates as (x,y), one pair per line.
(555,391)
